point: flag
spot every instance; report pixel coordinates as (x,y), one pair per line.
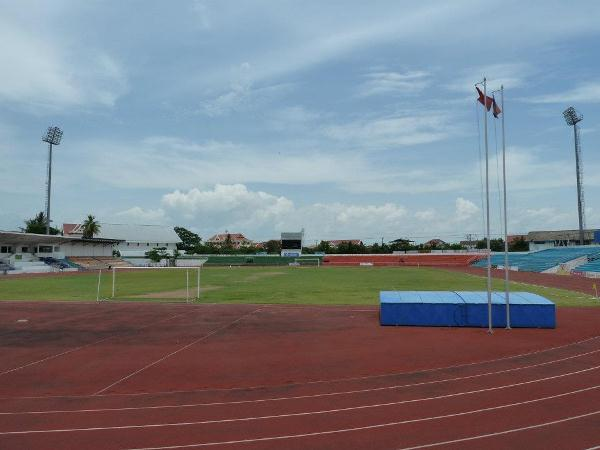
(484,99)
(495,108)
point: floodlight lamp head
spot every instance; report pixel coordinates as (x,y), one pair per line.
(572,116)
(53,136)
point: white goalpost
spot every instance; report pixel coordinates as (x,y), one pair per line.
(300,261)
(189,276)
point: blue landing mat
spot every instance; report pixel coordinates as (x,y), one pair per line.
(464,309)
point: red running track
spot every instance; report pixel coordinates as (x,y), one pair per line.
(164,376)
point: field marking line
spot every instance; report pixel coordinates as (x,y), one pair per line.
(512,430)
(328,411)
(202,338)
(84,346)
(380,425)
(307,383)
(298,397)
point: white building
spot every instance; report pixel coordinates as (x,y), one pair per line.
(134,240)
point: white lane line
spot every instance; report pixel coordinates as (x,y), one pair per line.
(593,448)
(307,383)
(297,397)
(512,430)
(39,361)
(313,413)
(382,425)
(206,336)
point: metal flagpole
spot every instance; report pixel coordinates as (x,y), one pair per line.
(487,208)
(506,268)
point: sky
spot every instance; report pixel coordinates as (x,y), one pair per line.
(352,120)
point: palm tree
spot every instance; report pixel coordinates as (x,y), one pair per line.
(90,227)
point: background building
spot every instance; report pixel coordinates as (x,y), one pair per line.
(133,240)
(540,240)
(236,240)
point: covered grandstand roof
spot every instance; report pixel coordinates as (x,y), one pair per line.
(17,238)
(560,235)
(129,233)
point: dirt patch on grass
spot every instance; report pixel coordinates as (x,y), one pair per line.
(179,293)
(258,276)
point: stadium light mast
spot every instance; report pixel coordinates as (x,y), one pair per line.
(53,136)
(572,117)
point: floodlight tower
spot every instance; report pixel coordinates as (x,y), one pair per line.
(573,117)
(53,136)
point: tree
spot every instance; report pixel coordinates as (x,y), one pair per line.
(90,227)
(496,245)
(173,258)
(37,225)
(157,254)
(324,246)
(273,246)
(189,240)
(518,245)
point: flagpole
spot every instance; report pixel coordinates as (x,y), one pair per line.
(506,267)
(487,208)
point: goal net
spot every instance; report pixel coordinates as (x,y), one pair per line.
(315,262)
(163,283)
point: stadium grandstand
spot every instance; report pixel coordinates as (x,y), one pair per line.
(39,253)
(551,260)
(541,240)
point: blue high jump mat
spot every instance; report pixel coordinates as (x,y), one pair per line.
(464,309)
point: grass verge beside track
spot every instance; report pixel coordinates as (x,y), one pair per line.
(283,285)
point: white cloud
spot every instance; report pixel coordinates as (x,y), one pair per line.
(394,131)
(38,72)
(381,82)
(425,215)
(201,10)
(262,215)
(584,93)
(510,75)
(140,215)
(229,206)
(528,168)
(465,210)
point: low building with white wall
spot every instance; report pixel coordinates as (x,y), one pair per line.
(134,240)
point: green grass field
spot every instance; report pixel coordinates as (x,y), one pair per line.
(291,285)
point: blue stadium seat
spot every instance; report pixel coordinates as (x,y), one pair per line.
(544,259)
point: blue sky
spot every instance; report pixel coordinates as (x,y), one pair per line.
(350,119)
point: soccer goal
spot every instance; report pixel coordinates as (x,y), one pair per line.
(165,283)
(307,262)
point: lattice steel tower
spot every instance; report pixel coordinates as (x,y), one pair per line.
(573,117)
